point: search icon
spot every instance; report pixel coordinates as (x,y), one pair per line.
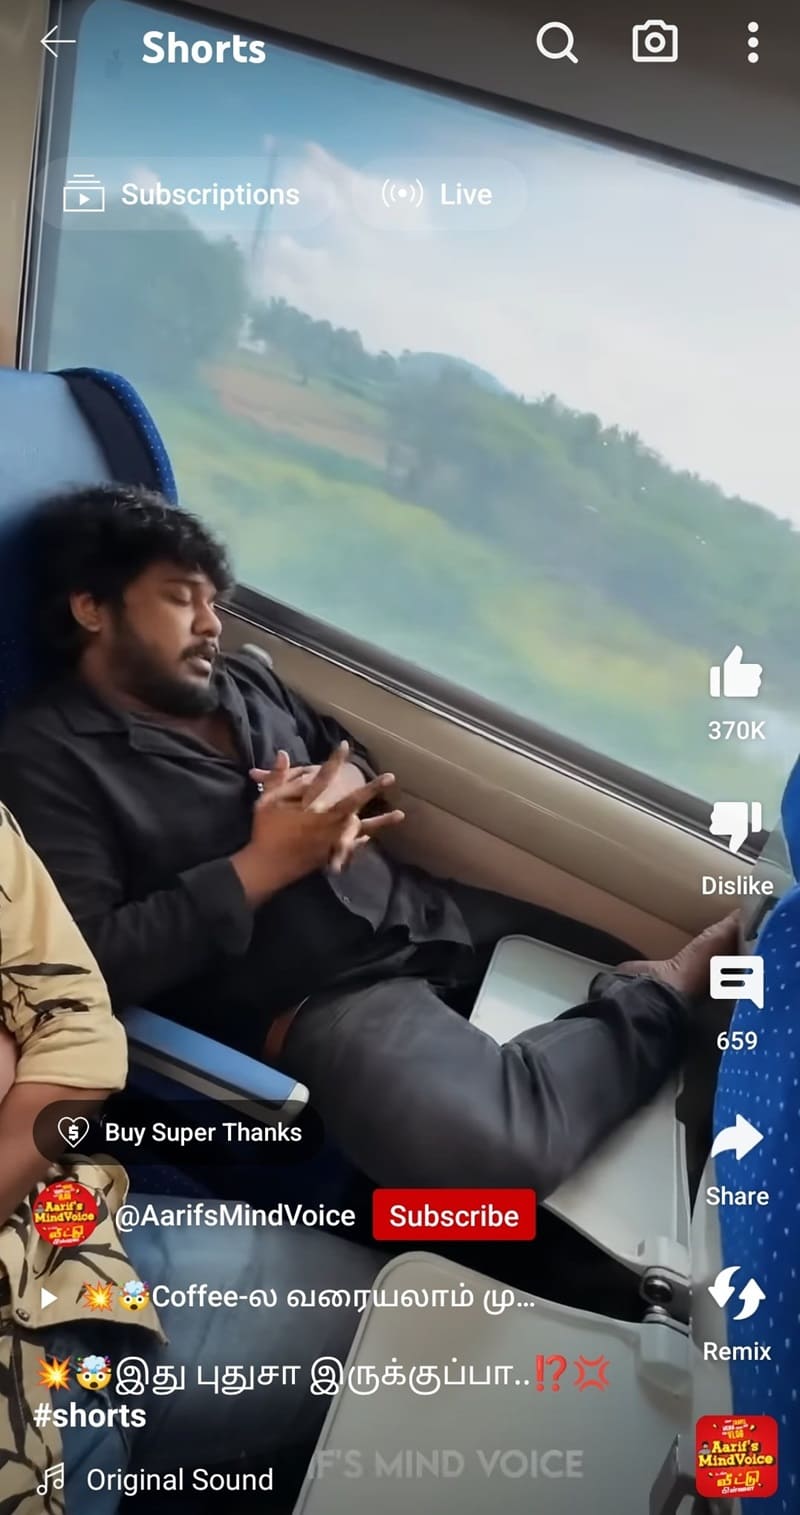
(567,51)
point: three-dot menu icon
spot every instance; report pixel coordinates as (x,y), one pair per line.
(752,42)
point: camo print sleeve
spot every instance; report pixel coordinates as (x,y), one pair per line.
(53,1000)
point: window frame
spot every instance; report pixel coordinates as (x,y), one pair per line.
(259,609)
(480,715)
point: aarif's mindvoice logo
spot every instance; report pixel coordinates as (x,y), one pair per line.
(737,1456)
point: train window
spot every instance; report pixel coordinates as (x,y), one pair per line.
(506,402)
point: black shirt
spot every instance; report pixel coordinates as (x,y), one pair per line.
(136,820)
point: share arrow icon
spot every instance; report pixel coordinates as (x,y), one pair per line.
(740,1138)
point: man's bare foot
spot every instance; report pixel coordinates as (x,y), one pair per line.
(690,968)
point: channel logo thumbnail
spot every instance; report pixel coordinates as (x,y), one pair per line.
(736,1456)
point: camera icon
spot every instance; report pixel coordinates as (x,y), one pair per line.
(655,42)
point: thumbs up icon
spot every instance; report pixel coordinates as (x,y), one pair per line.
(736,680)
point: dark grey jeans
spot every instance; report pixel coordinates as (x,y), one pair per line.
(414,1094)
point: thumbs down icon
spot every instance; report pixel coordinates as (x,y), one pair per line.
(737,820)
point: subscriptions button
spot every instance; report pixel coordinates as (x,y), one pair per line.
(454,1214)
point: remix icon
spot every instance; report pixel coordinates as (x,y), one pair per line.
(722,1290)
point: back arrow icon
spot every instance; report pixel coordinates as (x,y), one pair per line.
(741,1139)
(52,42)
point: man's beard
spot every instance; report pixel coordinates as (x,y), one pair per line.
(139,673)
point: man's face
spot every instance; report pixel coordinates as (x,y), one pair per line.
(161,644)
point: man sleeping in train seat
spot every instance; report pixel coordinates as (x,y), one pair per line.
(214,837)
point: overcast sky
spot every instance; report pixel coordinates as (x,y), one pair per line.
(665,302)
(661,302)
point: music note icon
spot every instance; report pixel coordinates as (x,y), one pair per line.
(54,1476)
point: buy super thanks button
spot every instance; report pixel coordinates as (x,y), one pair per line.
(454,1214)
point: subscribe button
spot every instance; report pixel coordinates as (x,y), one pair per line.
(454,1214)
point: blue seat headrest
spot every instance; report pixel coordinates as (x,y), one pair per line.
(83,426)
(763,1085)
(790,818)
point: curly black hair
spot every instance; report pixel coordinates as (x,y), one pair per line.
(97,541)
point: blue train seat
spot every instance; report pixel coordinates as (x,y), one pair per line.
(85,426)
(763,1085)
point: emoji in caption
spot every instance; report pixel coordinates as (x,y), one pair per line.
(98,1296)
(93,1372)
(134,1296)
